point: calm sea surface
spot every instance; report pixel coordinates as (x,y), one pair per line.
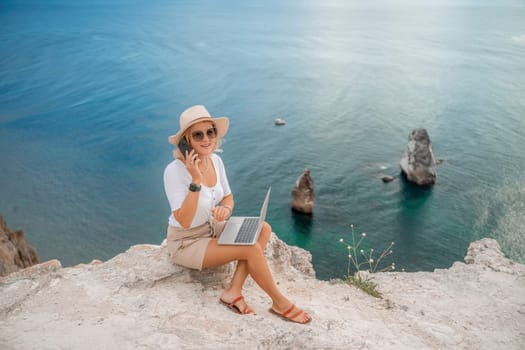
(90,91)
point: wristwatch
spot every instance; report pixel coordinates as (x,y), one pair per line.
(195,187)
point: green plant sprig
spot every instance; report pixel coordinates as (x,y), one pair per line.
(358,257)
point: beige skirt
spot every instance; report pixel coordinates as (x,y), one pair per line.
(187,246)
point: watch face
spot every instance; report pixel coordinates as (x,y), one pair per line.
(194,188)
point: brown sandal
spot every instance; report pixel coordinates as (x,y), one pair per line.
(235,308)
(286,315)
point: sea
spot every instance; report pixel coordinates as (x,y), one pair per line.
(91,90)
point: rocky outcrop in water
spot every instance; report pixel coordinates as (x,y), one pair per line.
(303,194)
(387,178)
(139,300)
(418,162)
(15,252)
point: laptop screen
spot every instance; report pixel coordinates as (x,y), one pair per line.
(265,205)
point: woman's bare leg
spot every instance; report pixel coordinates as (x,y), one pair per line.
(241,272)
(257,267)
(234,289)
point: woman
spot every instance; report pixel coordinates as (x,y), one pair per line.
(201,200)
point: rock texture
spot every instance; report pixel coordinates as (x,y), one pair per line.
(303,194)
(15,252)
(138,300)
(418,162)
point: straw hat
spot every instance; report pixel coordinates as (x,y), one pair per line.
(197,114)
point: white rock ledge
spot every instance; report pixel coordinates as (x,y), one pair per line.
(139,300)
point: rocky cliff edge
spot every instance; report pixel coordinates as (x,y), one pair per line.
(139,300)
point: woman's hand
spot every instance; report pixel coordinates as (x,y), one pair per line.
(192,162)
(221,212)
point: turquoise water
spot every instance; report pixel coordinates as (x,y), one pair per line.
(89,93)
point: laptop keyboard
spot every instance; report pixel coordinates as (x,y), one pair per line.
(247,230)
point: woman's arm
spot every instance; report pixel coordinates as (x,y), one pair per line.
(224,210)
(185,214)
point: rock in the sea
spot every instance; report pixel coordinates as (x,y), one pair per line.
(387,178)
(418,162)
(303,194)
(15,252)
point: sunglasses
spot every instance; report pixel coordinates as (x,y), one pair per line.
(198,135)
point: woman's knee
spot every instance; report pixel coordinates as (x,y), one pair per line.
(266,231)
(264,236)
(248,252)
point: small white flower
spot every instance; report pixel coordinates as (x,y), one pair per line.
(393,267)
(371,250)
(362,251)
(341,240)
(352,225)
(390,252)
(371,261)
(349,256)
(349,247)
(363,234)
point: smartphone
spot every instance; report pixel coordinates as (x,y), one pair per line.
(184,146)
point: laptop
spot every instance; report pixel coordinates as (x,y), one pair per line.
(244,230)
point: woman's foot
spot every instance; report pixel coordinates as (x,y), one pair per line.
(292,313)
(237,304)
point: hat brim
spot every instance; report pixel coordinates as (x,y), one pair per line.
(221,123)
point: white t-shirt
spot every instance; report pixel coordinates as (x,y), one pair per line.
(177,180)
